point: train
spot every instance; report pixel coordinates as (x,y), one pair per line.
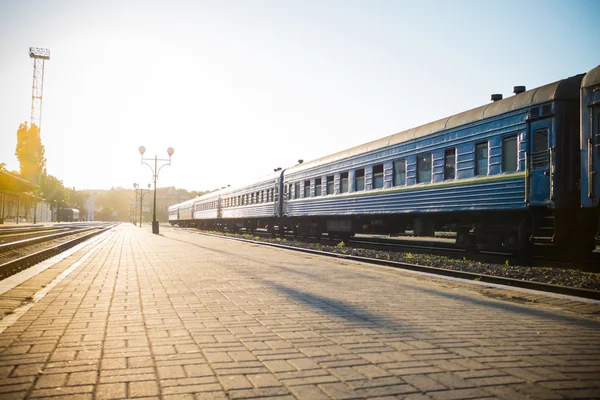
(69,214)
(516,172)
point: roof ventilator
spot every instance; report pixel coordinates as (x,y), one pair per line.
(547,109)
(519,89)
(497,96)
(534,112)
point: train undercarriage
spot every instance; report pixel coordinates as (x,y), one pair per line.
(505,231)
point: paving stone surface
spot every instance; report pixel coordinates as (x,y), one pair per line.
(185,316)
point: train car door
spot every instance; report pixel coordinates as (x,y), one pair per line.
(540,162)
(593,151)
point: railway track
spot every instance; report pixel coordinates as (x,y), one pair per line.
(17,255)
(476,276)
(445,247)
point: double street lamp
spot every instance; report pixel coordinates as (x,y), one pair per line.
(142,193)
(155,172)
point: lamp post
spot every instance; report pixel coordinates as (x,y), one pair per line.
(155,172)
(142,193)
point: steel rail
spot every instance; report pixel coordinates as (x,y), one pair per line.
(5,239)
(24,231)
(38,256)
(40,239)
(542,287)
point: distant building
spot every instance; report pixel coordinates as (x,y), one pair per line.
(89,208)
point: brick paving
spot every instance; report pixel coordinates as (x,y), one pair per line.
(185,316)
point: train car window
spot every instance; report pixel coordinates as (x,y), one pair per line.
(509,154)
(424,168)
(330,186)
(481,158)
(450,164)
(359,181)
(400,172)
(306,189)
(540,157)
(297,190)
(318,186)
(378,176)
(344,187)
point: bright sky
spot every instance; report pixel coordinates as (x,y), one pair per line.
(238,88)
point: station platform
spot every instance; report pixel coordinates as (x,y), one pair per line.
(186,316)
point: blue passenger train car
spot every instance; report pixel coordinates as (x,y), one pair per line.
(497,174)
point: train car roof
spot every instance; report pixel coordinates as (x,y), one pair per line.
(592,78)
(225,191)
(566,89)
(180,204)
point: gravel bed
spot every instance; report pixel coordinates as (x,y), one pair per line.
(555,276)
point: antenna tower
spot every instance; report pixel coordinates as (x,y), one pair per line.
(39,56)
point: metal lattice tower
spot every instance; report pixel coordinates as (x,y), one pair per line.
(39,56)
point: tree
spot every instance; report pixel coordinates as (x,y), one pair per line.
(53,189)
(30,152)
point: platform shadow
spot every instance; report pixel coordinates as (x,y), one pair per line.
(334,307)
(505,305)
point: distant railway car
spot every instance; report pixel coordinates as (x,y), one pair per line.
(249,207)
(252,206)
(173,214)
(69,214)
